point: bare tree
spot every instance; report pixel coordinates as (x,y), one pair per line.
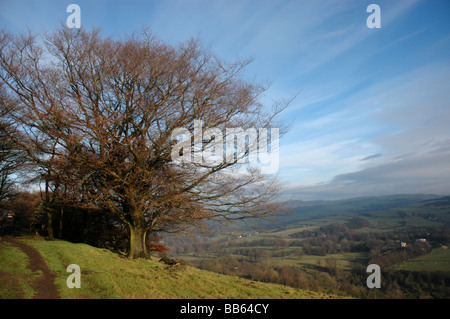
(99,115)
(11,161)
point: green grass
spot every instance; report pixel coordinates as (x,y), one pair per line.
(15,278)
(437,260)
(343,261)
(108,275)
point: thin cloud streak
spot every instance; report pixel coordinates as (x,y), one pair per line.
(415,141)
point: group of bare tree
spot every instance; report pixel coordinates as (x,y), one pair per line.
(94,116)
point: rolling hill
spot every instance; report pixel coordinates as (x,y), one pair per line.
(299,211)
(107,275)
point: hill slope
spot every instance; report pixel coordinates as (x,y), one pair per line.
(308,210)
(108,275)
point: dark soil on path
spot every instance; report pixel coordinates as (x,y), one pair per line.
(44,284)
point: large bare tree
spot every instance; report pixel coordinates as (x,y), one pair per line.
(99,114)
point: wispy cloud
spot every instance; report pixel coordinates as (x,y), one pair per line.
(371,157)
(372,110)
(412,113)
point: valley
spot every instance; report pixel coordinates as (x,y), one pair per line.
(327,245)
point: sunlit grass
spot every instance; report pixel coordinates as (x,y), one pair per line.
(437,260)
(108,275)
(15,277)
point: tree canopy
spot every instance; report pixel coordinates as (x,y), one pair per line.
(96,116)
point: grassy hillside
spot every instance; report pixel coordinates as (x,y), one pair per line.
(437,260)
(108,275)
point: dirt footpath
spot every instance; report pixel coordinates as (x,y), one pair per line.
(44,285)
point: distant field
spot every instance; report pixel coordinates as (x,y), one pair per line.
(437,260)
(370,229)
(343,261)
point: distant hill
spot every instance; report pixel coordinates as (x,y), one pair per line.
(436,202)
(299,210)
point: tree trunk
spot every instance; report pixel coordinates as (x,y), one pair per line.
(137,246)
(50,224)
(61,221)
(49,209)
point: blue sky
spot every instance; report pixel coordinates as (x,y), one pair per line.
(372,108)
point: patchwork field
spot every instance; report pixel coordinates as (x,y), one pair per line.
(437,260)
